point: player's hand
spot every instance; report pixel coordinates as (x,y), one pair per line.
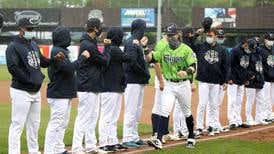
(230,82)
(107,41)
(161,86)
(246,83)
(224,87)
(144,41)
(86,54)
(59,56)
(136,42)
(193,87)
(182,73)
(253,77)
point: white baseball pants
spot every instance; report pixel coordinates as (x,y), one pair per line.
(59,118)
(254,95)
(134,94)
(179,120)
(208,93)
(26,107)
(110,110)
(85,122)
(235,94)
(269,99)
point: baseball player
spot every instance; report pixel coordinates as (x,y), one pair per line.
(239,75)
(61,89)
(212,71)
(23,61)
(89,85)
(112,92)
(254,87)
(137,75)
(217,126)
(267,52)
(178,64)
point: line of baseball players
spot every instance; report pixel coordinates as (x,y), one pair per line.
(102,78)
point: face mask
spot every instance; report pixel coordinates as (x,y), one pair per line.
(29,35)
(220,41)
(173,43)
(247,50)
(269,43)
(210,40)
(99,32)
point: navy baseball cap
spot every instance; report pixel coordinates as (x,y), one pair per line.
(93,23)
(269,36)
(27,23)
(187,30)
(171,29)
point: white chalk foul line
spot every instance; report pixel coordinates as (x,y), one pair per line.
(205,139)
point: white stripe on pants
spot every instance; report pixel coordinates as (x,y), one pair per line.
(134,94)
(26,108)
(110,110)
(208,93)
(235,94)
(85,122)
(179,120)
(269,99)
(59,118)
(217,123)
(251,96)
(180,91)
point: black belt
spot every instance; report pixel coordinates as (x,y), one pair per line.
(177,80)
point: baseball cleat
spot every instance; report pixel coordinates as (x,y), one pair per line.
(199,132)
(131,144)
(190,143)
(120,147)
(210,131)
(232,126)
(141,142)
(244,126)
(157,144)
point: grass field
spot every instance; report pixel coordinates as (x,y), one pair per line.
(223,146)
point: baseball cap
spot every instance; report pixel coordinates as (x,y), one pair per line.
(220,32)
(269,36)
(172,29)
(187,30)
(27,22)
(93,22)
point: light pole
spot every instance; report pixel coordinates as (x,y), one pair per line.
(159,20)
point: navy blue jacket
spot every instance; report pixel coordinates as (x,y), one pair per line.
(136,71)
(62,75)
(239,64)
(268,62)
(256,67)
(89,76)
(114,74)
(213,63)
(24,60)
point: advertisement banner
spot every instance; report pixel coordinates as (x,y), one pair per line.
(130,14)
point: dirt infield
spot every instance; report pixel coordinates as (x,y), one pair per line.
(147,106)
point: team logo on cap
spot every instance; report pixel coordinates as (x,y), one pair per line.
(244,62)
(211,56)
(270,60)
(259,66)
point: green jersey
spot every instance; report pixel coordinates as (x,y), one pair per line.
(173,61)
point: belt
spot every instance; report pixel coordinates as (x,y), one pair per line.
(176,81)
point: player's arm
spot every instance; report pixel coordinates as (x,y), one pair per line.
(98,58)
(158,72)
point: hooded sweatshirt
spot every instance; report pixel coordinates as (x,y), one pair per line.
(62,75)
(24,60)
(268,62)
(137,71)
(114,75)
(89,76)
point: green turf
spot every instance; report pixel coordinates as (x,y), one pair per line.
(223,146)
(5,121)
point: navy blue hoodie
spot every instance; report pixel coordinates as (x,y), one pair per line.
(114,75)
(256,67)
(136,71)
(24,60)
(62,75)
(239,64)
(268,62)
(89,76)
(213,63)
